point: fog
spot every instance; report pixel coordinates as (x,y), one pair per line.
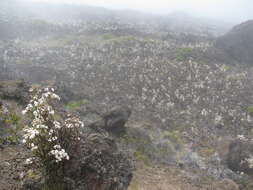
(226,10)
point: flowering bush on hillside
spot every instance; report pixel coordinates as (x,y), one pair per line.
(49,139)
(212,99)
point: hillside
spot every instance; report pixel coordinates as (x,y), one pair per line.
(237,43)
(162,87)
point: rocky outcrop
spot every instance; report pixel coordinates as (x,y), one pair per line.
(98,165)
(239,151)
(238,43)
(113,121)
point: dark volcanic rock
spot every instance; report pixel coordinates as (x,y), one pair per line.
(239,151)
(98,165)
(238,43)
(113,121)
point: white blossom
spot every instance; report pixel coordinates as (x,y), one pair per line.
(28,161)
(250,161)
(204,112)
(218,119)
(241,137)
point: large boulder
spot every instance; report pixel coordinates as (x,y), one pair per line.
(239,152)
(113,121)
(98,165)
(238,43)
(116,119)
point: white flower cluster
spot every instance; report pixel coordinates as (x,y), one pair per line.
(39,104)
(30,133)
(218,119)
(59,153)
(29,161)
(250,161)
(73,122)
(204,112)
(57,125)
(44,128)
(242,137)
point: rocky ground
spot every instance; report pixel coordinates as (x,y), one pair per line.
(12,166)
(14,171)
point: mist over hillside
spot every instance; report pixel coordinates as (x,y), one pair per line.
(117,99)
(81,17)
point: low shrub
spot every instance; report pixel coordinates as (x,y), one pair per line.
(50,140)
(10,126)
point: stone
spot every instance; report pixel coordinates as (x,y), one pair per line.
(98,165)
(239,151)
(116,119)
(113,121)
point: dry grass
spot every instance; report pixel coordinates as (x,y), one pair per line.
(160,179)
(171,179)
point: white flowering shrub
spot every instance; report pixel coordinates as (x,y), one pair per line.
(250,161)
(50,140)
(210,98)
(197,94)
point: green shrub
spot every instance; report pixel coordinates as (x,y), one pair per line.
(73,105)
(23,61)
(250,109)
(183,54)
(140,156)
(174,136)
(108,36)
(11,126)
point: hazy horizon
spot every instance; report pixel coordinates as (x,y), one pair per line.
(226,10)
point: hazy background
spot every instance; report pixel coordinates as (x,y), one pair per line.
(227,10)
